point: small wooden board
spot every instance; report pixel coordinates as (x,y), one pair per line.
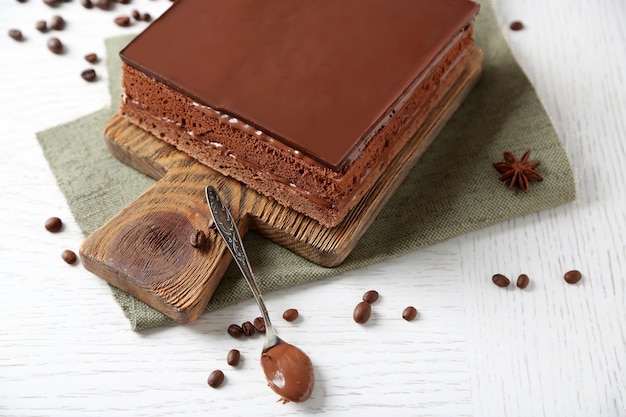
(145,249)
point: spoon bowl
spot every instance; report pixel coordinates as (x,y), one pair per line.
(288,369)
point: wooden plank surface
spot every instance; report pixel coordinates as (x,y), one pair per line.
(145,248)
(552,350)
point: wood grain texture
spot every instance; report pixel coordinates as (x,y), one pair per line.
(145,248)
(476,350)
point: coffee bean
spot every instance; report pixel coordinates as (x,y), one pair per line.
(55,46)
(16,34)
(370,296)
(93,58)
(52,3)
(197,239)
(21,1)
(53,224)
(146,17)
(409,313)
(248,328)
(362,312)
(516,25)
(69,256)
(522,281)
(41,26)
(500,280)
(215,378)
(87,4)
(259,324)
(290,314)
(235,330)
(123,1)
(573,276)
(122,21)
(104,4)
(135,14)
(89,75)
(57,23)
(233,357)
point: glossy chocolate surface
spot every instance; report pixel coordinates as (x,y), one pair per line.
(318,76)
(289,372)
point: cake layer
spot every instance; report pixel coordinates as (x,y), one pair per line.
(266,164)
(313,140)
(319,77)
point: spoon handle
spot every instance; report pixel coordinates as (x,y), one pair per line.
(228,230)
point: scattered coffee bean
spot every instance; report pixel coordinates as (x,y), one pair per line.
(248,328)
(370,296)
(53,224)
(259,324)
(362,312)
(52,3)
(89,75)
(122,21)
(55,46)
(41,26)
(57,23)
(516,25)
(500,280)
(16,34)
(92,58)
(197,239)
(233,357)
(104,4)
(69,256)
(123,1)
(573,276)
(235,330)
(146,17)
(522,281)
(21,1)
(290,314)
(409,313)
(215,378)
(135,14)
(87,4)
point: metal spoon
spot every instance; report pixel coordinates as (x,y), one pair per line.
(288,369)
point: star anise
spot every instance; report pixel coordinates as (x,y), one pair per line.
(520,172)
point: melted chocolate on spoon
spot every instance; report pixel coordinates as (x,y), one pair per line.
(289,372)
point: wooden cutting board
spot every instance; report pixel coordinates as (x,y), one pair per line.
(145,249)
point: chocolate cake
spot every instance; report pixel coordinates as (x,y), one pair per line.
(305,102)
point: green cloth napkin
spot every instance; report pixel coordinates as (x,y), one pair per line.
(452,190)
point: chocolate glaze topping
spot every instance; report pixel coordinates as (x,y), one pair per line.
(319,76)
(289,372)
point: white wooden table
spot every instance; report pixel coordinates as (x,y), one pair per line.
(477,350)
